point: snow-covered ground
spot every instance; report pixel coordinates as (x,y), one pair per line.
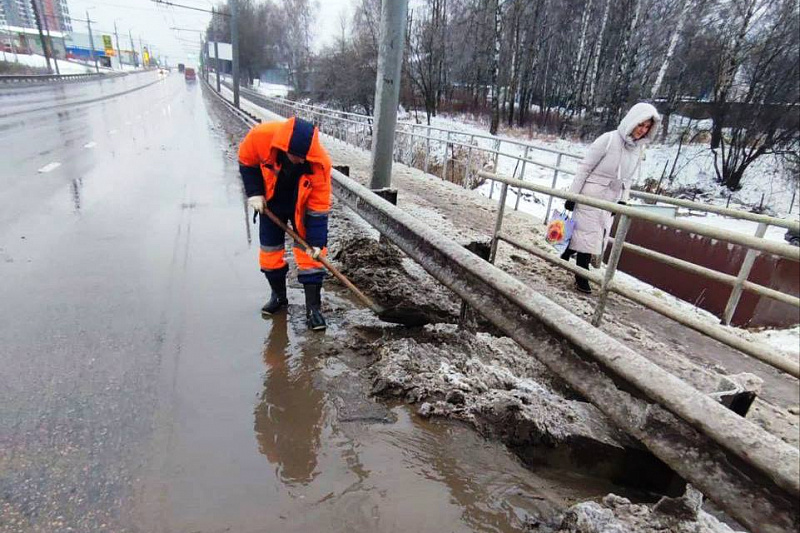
(271,89)
(694,170)
(65,67)
(70,66)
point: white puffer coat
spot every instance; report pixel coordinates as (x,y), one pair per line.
(605,173)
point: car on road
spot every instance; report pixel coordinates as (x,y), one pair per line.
(189,74)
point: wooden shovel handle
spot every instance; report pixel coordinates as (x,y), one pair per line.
(333,270)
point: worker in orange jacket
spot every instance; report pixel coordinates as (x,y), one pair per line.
(285,169)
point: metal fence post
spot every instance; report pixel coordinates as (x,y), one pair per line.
(469,163)
(411,147)
(444,165)
(744,273)
(521,177)
(427,150)
(611,267)
(501,207)
(550,198)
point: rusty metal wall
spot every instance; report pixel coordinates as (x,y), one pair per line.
(753,310)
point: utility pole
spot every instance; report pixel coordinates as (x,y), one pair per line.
(91,43)
(119,52)
(133,50)
(215,36)
(235,47)
(141,51)
(49,40)
(38,17)
(387,89)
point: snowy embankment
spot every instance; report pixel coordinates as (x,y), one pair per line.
(271,89)
(694,171)
(65,66)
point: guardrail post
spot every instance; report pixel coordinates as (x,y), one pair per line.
(611,267)
(744,273)
(550,198)
(521,177)
(501,207)
(465,316)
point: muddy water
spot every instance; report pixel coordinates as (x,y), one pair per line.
(303,448)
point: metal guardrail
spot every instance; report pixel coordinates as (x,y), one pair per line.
(751,474)
(521,313)
(32,78)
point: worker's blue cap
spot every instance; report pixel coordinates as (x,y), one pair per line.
(302,134)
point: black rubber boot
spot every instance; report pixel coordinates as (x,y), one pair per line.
(277,300)
(314,318)
(582,285)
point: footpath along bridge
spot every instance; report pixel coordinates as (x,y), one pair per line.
(750,473)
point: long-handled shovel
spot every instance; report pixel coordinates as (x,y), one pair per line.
(395,314)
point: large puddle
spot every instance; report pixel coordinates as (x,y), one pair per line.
(311,452)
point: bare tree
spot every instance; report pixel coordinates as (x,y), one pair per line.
(765,84)
(497,7)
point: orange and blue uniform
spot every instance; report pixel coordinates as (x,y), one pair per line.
(298,193)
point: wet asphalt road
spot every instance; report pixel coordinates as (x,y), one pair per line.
(139,388)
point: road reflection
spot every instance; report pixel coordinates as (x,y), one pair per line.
(288,417)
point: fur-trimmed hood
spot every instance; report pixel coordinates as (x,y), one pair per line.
(635,116)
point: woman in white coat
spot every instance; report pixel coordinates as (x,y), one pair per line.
(605,173)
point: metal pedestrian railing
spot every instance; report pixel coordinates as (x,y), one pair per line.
(754,244)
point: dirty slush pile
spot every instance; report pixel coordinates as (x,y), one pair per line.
(489,382)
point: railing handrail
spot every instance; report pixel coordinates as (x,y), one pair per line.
(725,211)
(764,245)
(689,204)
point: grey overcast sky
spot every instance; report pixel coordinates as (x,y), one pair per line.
(152,22)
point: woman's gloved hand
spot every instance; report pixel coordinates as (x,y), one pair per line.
(569,205)
(259,203)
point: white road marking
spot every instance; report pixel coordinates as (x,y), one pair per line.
(49,166)
(91,144)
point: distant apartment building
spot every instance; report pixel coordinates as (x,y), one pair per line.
(19,13)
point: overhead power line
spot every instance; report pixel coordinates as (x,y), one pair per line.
(173,4)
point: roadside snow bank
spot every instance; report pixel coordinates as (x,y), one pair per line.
(492,384)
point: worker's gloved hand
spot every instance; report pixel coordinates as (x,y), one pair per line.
(259,203)
(315,253)
(569,205)
(622,203)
